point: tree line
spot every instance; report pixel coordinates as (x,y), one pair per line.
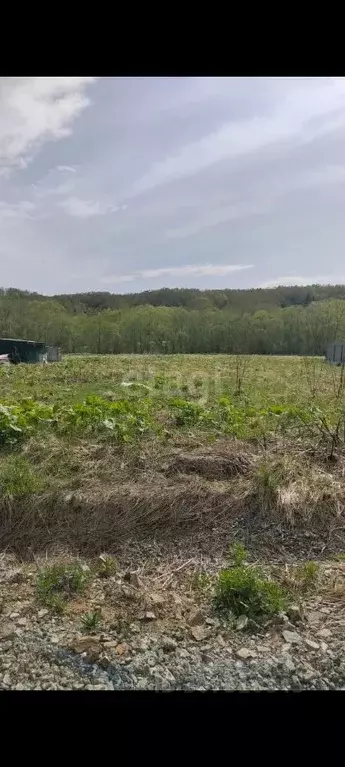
(239,301)
(297,327)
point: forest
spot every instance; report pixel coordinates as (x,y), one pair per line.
(284,320)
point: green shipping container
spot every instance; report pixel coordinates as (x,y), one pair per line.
(21,350)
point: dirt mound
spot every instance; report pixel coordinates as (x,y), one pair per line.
(210,465)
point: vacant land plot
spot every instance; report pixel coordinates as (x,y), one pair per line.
(215,481)
(95,450)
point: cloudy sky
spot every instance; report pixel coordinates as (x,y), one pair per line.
(128,184)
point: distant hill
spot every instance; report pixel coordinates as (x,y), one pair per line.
(241,301)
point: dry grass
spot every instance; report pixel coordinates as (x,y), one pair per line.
(221,461)
(274,494)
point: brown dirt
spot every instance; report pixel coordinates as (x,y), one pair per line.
(211,465)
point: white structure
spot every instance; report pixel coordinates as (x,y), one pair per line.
(336,353)
(53,354)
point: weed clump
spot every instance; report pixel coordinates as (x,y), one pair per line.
(56,584)
(106,566)
(17,478)
(307,575)
(91,620)
(238,553)
(201,582)
(246,591)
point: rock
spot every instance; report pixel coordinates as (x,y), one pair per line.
(308,676)
(311,644)
(169,676)
(134,628)
(241,623)
(6,631)
(6,680)
(21,621)
(122,648)
(16,576)
(6,646)
(211,622)
(13,616)
(263,648)
(168,644)
(244,653)
(324,633)
(157,599)
(315,616)
(88,645)
(85,568)
(42,613)
(134,579)
(196,618)
(147,616)
(295,613)
(199,633)
(281,618)
(128,592)
(291,637)
(110,644)
(289,665)
(177,600)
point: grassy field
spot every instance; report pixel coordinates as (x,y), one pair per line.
(98,449)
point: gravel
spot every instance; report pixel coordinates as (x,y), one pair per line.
(183,647)
(31,662)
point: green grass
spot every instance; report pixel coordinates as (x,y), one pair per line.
(307,575)
(246,591)
(58,583)
(267,380)
(18,478)
(76,428)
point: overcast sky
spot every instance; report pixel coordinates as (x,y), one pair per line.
(129,184)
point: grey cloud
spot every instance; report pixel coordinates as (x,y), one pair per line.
(140,182)
(198,270)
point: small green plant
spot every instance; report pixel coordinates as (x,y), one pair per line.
(186,413)
(307,574)
(159,382)
(56,603)
(339,557)
(56,584)
(201,582)
(246,591)
(238,553)
(106,566)
(91,620)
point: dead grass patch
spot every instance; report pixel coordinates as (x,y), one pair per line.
(212,463)
(101,496)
